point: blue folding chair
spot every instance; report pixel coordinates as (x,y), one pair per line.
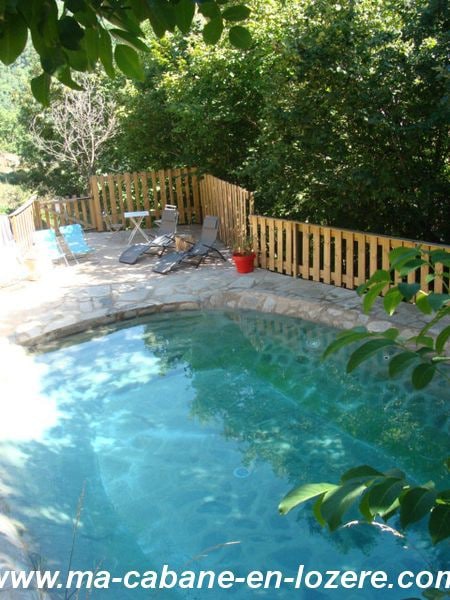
(46,241)
(74,239)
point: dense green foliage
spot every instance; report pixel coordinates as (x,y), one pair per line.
(76,35)
(336,114)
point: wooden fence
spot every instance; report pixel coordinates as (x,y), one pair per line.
(115,194)
(231,203)
(340,257)
(65,211)
(23,226)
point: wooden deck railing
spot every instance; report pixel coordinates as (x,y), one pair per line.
(55,212)
(23,226)
(115,194)
(340,257)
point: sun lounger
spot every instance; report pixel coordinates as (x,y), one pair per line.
(162,241)
(199,251)
(74,239)
(46,242)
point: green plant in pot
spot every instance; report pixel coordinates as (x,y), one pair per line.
(244,255)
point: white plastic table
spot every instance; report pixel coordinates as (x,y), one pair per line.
(136,218)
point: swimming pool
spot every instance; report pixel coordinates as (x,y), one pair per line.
(183,431)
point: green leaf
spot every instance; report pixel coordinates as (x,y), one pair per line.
(378,277)
(212,31)
(439,523)
(184,14)
(13,38)
(438,300)
(401,255)
(372,295)
(105,52)
(425,340)
(364,507)
(317,512)
(239,12)
(396,473)
(422,303)
(87,18)
(382,496)
(361,474)
(52,59)
(128,62)
(64,76)
(77,60)
(409,290)
(344,339)
(365,351)
(391,334)
(162,17)
(400,361)
(40,86)
(336,503)
(240,37)
(440,256)
(442,338)
(210,10)
(75,5)
(140,9)
(410,265)
(391,300)
(303,493)
(415,504)
(70,33)
(422,375)
(91,45)
(130,38)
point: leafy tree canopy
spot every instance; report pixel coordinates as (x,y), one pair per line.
(74,35)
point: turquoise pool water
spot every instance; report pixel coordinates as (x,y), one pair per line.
(185,431)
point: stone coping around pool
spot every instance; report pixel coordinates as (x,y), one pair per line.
(316,310)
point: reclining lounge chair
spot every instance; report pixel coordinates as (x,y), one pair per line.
(163,240)
(46,243)
(74,239)
(199,251)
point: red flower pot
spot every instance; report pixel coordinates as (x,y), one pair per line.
(244,262)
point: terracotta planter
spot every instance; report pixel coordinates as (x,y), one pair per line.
(244,262)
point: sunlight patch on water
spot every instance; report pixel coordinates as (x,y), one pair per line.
(30,413)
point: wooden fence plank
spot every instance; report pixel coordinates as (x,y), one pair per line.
(279,245)
(196,195)
(360,239)
(288,263)
(373,254)
(337,276)
(162,187)
(295,257)
(263,244)
(349,255)
(315,231)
